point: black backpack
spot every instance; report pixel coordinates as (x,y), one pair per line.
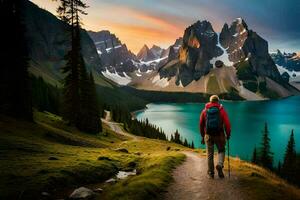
(213,121)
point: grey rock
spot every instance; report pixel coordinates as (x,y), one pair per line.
(199,46)
(82,193)
(114,55)
(145,54)
(111,180)
(98,190)
(45,194)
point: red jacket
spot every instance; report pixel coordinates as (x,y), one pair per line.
(224,118)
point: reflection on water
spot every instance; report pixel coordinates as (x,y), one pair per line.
(247,119)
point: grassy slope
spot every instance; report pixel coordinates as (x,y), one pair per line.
(26,171)
(258,183)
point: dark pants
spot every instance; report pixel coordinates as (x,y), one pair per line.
(219,141)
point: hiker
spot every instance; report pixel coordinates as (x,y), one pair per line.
(213,121)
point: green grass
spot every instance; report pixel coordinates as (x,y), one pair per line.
(261,184)
(156,174)
(27,169)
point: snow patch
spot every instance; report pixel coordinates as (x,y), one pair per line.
(180,84)
(99,42)
(99,52)
(116,77)
(281,70)
(153,61)
(149,71)
(224,57)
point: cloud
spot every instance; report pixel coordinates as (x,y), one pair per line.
(162,21)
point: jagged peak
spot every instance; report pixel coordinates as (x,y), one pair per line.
(145,47)
(154,46)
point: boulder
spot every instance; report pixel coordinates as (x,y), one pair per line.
(82,193)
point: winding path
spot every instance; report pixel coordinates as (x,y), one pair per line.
(191,182)
(116,127)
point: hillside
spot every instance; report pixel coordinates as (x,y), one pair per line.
(48,156)
(54,159)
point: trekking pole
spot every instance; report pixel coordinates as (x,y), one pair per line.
(228,159)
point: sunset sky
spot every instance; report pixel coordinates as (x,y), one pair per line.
(160,22)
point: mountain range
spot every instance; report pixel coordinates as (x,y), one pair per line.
(234,62)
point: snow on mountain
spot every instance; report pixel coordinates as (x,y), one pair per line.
(224,57)
(294,75)
(121,80)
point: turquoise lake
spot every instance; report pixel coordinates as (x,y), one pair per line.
(247,121)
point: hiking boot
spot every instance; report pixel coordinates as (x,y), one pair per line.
(220,171)
(210,176)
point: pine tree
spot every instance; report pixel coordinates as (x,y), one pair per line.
(15,94)
(80,99)
(177,137)
(185,143)
(279,168)
(289,164)
(265,154)
(193,146)
(254,156)
(69,11)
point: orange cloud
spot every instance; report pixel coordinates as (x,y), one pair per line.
(136,36)
(134,28)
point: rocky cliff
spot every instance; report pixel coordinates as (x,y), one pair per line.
(114,55)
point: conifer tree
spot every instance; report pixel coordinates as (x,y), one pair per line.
(192,146)
(69,11)
(279,168)
(80,99)
(15,95)
(288,170)
(254,156)
(265,154)
(185,143)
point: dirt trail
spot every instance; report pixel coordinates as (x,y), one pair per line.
(191,182)
(116,127)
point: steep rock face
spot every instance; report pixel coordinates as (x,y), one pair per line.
(243,44)
(235,62)
(48,42)
(199,46)
(114,55)
(145,54)
(156,51)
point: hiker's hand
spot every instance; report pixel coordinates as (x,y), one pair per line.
(202,141)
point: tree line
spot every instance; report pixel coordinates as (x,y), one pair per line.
(289,169)
(144,128)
